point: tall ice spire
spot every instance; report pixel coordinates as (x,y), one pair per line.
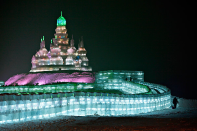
(72,42)
(81,45)
(42,44)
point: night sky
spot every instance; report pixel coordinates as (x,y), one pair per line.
(154,37)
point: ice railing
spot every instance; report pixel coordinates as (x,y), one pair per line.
(118,80)
(125,86)
(49,68)
(159,88)
(120,74)
(54,88)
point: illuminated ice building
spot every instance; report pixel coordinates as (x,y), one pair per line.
(61,83)
(62,55)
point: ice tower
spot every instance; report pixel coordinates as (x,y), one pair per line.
(61,36)
(62,55)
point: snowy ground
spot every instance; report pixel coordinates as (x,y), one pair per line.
(182,118)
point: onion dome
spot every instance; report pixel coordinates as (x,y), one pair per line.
(81,45)
(42,52)
(72,42)
(71,50)
(61,21)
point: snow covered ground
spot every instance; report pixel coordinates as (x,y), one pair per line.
(182,118)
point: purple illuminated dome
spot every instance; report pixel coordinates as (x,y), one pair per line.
(49,78)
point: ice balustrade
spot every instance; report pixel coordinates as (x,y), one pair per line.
(158,87)
(126,87)
(49,68)
(123,74)
(118,80)
(55,88)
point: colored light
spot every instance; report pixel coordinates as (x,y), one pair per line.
(61,21)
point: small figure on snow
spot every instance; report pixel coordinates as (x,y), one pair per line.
(175,101)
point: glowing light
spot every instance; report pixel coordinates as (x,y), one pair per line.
(61,21)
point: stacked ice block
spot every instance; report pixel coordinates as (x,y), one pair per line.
(138,97)
(79,104)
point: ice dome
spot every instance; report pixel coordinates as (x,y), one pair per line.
(71,50)
(42,52)
(61,21)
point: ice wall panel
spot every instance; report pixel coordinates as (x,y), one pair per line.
(103,104)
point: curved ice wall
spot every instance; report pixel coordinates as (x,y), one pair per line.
(15,108)
(30,107)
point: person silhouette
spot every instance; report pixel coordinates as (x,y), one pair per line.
(175,101)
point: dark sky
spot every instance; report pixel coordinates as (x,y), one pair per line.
(154,37)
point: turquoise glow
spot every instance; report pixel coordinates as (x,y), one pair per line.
(61,21)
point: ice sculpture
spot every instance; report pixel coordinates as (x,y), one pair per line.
(138,97)
(62,55)
(31,96)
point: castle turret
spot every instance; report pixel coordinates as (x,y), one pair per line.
(61,36)
(62,55)
(71,52)
(82,53)
(42,44)
(33,62)
(41,57)
(81,50)
(72,42)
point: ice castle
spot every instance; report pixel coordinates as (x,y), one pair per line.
(60,82)
(62,55)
